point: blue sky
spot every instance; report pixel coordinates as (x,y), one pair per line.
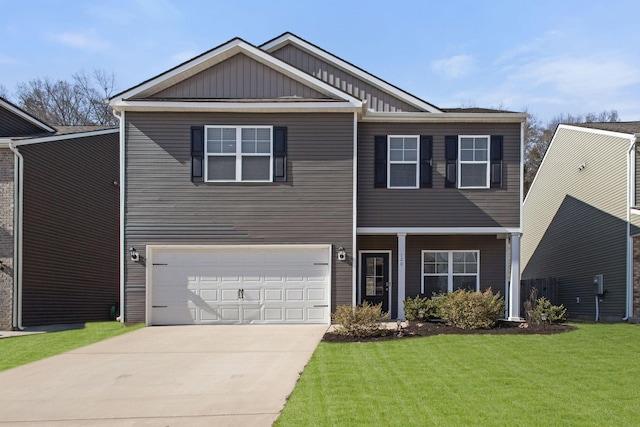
(548,57)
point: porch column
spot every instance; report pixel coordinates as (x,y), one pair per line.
(514,288)
(402,250)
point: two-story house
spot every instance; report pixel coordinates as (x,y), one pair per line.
(270,184)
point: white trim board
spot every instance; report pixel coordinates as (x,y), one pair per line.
(66,136)
(438,230)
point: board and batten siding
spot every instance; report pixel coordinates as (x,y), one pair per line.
(376,99)
(575,221)
(14,125)
(163,206)
(70,251)
(239,77)
(439,206)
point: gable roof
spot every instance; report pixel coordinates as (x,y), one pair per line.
(290,38)
(139,95)
(22,115)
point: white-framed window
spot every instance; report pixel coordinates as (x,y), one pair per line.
(473,161)
(403,165)
(447,271)
(238,153)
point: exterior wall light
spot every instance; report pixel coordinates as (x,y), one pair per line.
(342,254)
(135,256)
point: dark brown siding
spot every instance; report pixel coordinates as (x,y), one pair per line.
(239,77)
(439,206)
(492,259)
(70,248)
(163,206)
(376,99)
(13,125)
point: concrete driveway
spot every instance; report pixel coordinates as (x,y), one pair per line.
(164,376)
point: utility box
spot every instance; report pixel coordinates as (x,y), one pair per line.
(598,284)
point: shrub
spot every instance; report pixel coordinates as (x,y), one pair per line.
(472,310)
(555,313)
(360,321)
(421,308)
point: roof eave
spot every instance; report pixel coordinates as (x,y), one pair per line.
(370,116)
(196,106)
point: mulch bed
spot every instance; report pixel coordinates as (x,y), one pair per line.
(427,329)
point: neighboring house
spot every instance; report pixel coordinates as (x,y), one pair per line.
(271,184)
(59,200)
(581,220)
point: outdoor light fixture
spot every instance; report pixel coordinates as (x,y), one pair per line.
(342,254)
(135,256)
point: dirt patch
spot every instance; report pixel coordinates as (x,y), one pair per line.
(427,329)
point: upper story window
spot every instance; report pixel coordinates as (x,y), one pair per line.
(474,162)
(238,153)
(403,169)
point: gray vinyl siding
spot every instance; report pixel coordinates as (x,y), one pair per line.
(70,230)
(14,125)
(492,259)
(376,99)
(163,206)
(239,77)
(439,206)
(575,221)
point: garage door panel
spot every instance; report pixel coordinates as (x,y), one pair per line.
(243,285)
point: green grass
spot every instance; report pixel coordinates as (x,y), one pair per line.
(587,377)
(15,351)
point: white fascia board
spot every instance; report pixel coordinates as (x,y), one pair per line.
(65,137)
(623,135)
(406,117)
(439,230)
(373,80)
(264,107)
(4,142)
(25,116)
(220,54)
(635,211)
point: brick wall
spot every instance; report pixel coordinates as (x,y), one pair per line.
(6,237)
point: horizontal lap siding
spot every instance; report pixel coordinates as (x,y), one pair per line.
(163,206)
(13,125)
(575,221)
(239,77)
(375,98)
(70,231)
(439,206)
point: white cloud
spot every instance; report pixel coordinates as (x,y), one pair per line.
(454,67)
(80,40)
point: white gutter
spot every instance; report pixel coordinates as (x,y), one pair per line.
(18,176)
(354,276)
(120,117)
(631,163)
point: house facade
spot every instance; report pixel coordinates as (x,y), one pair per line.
(59,196)
(581,220)
(271,184)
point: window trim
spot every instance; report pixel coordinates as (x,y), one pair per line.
(238,154)
(403,162)
(450,272)
(474,162)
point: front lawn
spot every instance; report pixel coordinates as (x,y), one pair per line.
(17,351)
(590,376)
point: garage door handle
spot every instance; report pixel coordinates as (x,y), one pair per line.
(158,306)
(321,305)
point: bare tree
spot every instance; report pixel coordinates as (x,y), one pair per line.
(64,103)
(3,92)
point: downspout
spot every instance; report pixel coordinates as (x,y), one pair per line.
(18,176)
(120,117)
(354,260)
(631,161)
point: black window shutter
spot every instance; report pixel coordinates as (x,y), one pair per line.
(451,156)
(279,153)
(380,171)
(426,152)
(496,161)
(197,153)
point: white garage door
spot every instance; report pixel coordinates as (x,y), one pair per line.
(238,284)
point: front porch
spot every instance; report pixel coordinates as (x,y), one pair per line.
(393,264)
